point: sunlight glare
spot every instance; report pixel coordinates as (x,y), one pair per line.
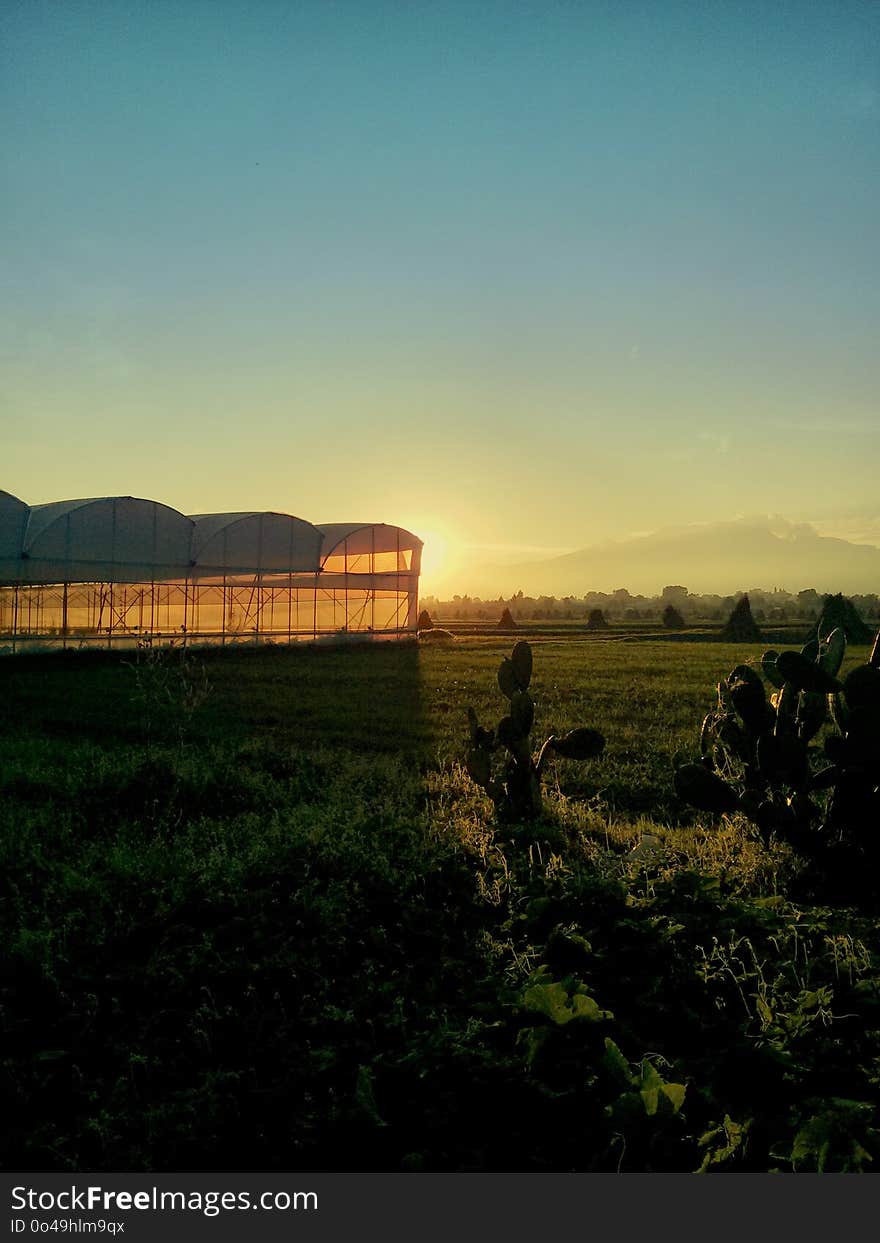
(437,553)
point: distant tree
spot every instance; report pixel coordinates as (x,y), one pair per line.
(596,620)
(425,622)
(507,622)
(672,619)
(837,611)
(809,601)
(674,592)
(741,626)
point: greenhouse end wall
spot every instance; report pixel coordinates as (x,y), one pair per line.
(114,571)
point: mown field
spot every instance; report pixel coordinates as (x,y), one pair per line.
(255,915)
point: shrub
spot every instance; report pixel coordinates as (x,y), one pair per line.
(741,626)
(672,619)
(757,757)
(436,634)
(838,613)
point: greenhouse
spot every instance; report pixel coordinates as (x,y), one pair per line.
(115,570)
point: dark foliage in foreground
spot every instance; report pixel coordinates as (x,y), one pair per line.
(230,947)
(760,756)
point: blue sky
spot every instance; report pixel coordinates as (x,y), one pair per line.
(519,274)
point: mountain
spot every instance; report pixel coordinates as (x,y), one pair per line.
(712,558)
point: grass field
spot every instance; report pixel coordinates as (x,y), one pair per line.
(257,916)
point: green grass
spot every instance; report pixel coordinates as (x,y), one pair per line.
(256,915)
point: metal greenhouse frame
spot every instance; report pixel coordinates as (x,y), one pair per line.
(111,571)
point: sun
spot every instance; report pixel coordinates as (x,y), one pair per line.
(438,551)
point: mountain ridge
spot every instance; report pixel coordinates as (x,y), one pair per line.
(708,558)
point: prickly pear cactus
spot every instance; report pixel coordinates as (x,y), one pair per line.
(514,784)
(759,755)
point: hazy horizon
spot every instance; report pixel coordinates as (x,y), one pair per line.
(520,278)
(796,557)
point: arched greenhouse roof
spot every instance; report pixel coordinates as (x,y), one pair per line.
(361,538)
(129,539)
(119,530)
(13,520)
(254,541)
(108,538)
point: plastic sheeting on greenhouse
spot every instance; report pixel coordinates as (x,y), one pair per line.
(116,570)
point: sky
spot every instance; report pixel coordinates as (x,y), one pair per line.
(522,277)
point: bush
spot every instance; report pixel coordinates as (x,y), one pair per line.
(436,634)
(672,619)
(741,626)
(838,613)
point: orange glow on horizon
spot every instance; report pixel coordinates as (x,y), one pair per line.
(439,551)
